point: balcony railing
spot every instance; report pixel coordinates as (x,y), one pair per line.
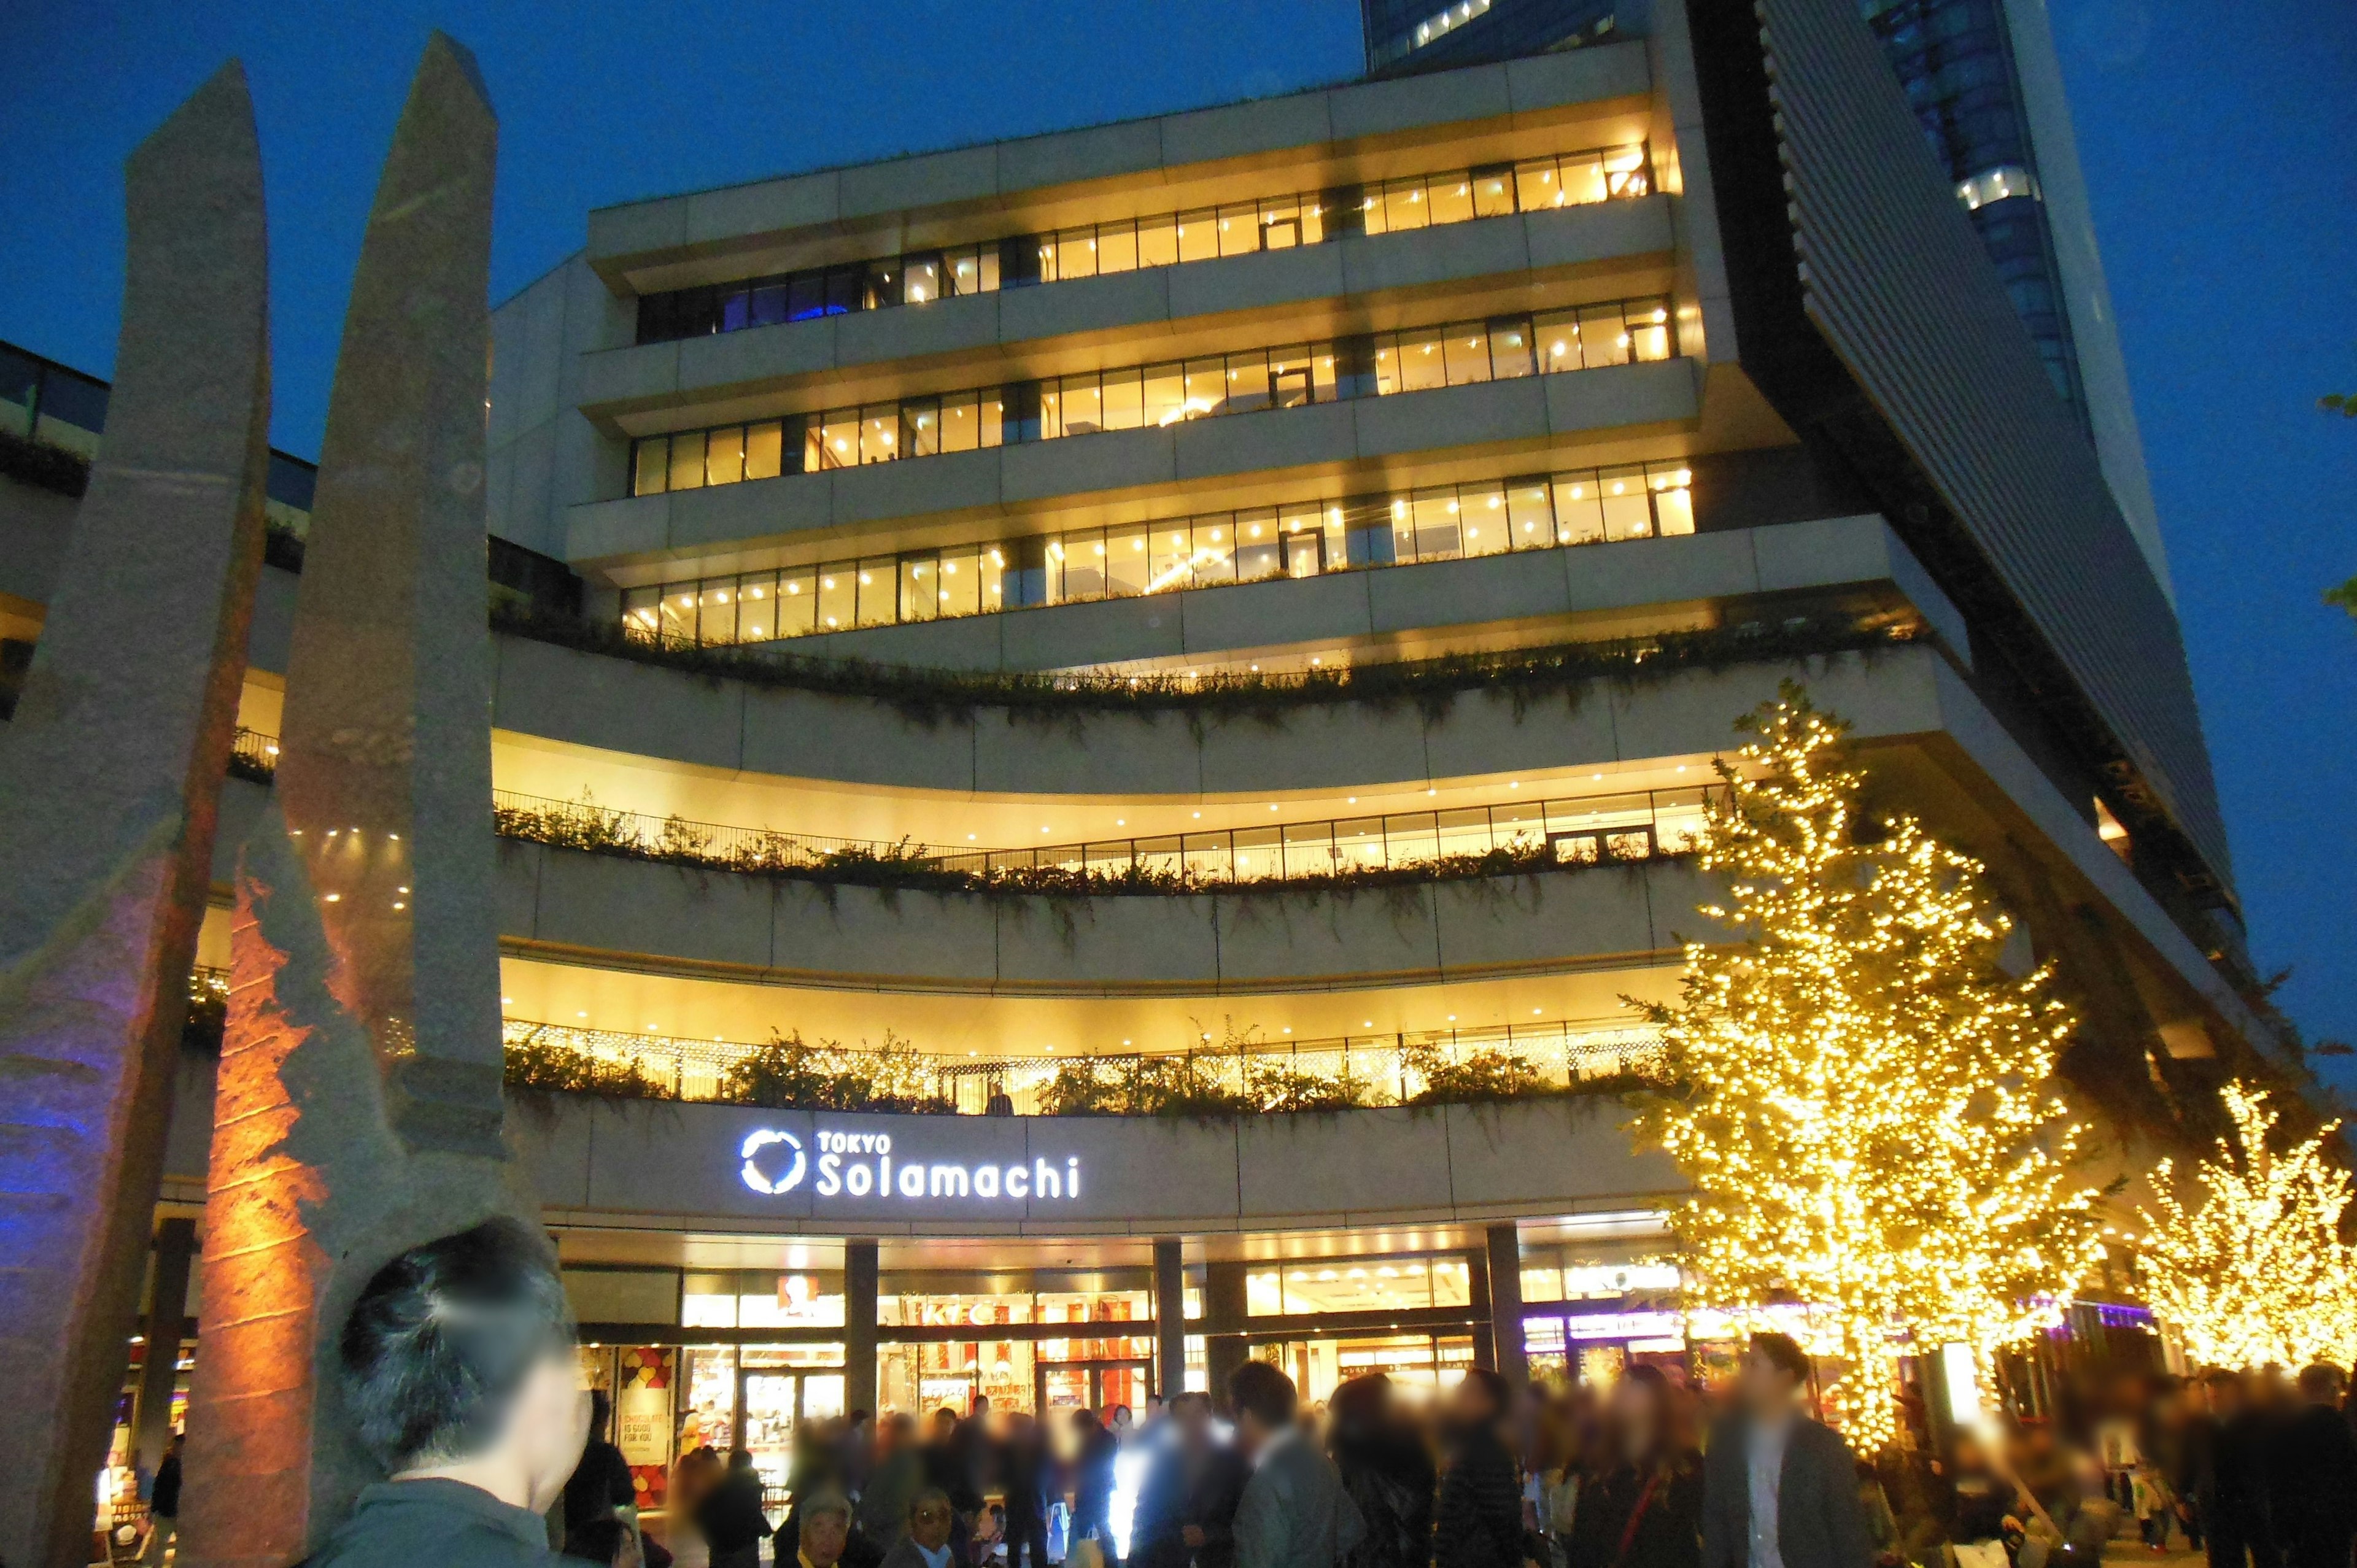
(1572,830)
(1400,1069)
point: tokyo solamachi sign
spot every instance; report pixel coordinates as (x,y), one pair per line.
(867,1165)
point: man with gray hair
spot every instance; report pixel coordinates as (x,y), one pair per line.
(825,1520)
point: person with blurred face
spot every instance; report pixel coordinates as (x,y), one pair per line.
(1644,1510)
(1294,1513)
(1779,1489)
(1478,1520)
(1187,1504)
(925,1542)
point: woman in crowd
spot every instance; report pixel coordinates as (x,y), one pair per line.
(1386,1470)
(1641,1506)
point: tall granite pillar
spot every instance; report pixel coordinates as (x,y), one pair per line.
(358,1109)
(1169,1317)
(111,775)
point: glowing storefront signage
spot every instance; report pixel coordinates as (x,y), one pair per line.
(863,1164)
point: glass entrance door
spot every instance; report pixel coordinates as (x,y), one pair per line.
(1094,1385)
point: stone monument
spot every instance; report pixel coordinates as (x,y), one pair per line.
(112,773)
(360,1106)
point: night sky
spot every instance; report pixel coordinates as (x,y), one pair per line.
(2219,147)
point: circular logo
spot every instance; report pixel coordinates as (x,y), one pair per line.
(760,1179)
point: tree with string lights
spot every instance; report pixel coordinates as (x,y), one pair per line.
(1860,1094)
(2258,1272)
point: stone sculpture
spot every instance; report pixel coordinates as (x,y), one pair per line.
(360,1103)
(111,772)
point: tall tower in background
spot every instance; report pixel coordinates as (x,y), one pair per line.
(1983,80)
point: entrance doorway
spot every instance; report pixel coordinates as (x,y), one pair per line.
(1094,1385)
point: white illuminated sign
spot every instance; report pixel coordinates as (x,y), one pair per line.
(863,1164)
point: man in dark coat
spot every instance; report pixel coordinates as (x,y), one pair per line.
(1187,1504)
(2312,1477)
(1780,1490)
(1094,1450)
(1478,1522)
(1026,1475)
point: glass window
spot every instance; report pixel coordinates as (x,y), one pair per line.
(991,570)
(961,429)
(1199,235)
(920,427)
(1627,512)
(880,288)
(1493,191)
(879,591)
(991,407)
(838,438)
(1207,386)
(1556,335)
(1672,500)
(1649,332)
(1051,410)
(1122,395)
(1467,352)
(805,296)
(1280,224)
(1542,1282)
(1084,412)
(1583,177)
(1215,560)
(1509,348)
(838,596)
(879,433)
(919,599)
(1535,184)
(1292,381)
(723,456)
(1247,384)
(1158,240)
(797,611)
(959,590)
(1603,338)
(1170,558)
(922,279)
(641,612)
(769,303)
(716,612)
(654,476)
(1578,509)
(844,286)
(765,447)
(1084,564)
(1117,247)
(1451,198)
(1125,560)
(1260,548)
(1422,365)
(1436,527)
(1076,253)
(1529,517)
(1405,206)
(757,607)
(1482,512)
(736,310)
(1239,228)
(687,461)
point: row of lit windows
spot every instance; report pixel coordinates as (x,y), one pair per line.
(1167,239)
(1443,522)
(1457,353)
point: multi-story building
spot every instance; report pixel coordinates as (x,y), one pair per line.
(1983,80)
(1026,662)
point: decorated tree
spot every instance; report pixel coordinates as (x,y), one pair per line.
(2258,1272)
(1860,1094)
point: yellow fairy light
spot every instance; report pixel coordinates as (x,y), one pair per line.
(2258,1273)
(1862,1101)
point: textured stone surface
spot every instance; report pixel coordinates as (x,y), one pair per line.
(358,1111)
(112,773)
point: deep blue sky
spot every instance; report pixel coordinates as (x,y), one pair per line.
(2220,150)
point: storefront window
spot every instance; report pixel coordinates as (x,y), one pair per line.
(746,1299)
(1419,1366)
(1358,1284)
(947,1375)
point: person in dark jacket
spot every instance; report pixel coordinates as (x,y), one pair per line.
(1780,1490)
(164,1502)
(1386,1470)
(1095,1450)
(2230,1484)
(1026,1475)
(2312,1477)
(601,1486)
(1643,1507)
(730,1518)
(949,1468)
(1478,1522)
(1187,1504)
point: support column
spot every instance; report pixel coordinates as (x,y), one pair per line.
(1506,1270)
(112,775)
(175,1249)
(1169,1318)
(859,1284)
(1223,1324)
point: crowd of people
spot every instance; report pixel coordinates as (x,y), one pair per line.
(459,1370)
